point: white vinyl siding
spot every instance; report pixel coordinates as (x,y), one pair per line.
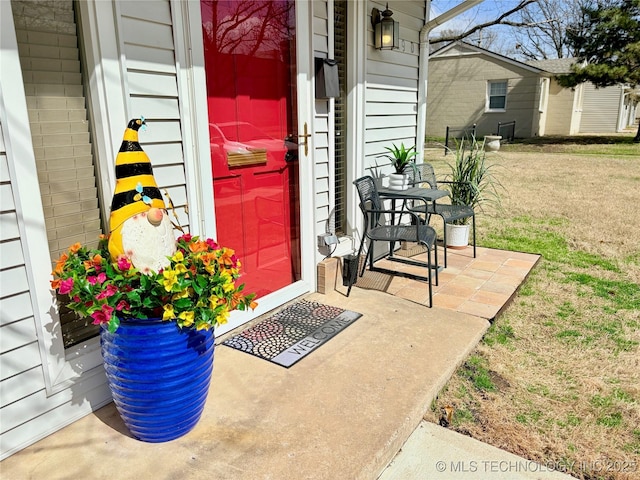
(392,87)
(43,387)
(323,145)
(147,42)
(496,96)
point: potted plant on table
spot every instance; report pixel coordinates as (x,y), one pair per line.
(401,158)
(471,182)
(157,300)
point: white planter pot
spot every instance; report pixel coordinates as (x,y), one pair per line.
(492,143)
(457,236)
(398,181)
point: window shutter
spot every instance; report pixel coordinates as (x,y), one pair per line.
(340,167)
(53,82)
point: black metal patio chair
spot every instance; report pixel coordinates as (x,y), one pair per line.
(385,225)
(424,173)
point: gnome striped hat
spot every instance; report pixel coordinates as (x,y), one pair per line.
(136,189)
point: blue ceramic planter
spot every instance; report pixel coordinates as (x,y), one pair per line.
(159,376)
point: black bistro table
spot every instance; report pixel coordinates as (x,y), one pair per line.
(426,194)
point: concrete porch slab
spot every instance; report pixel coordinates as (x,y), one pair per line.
(341,412)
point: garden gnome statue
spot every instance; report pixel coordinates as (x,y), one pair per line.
(139,224)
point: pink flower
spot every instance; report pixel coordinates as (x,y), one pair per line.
(212,244)
(186,237)
(108,310)
(102,316)
(123,263)
(122,305)
(100,278)
(99,317)
(66,286)
(109,291)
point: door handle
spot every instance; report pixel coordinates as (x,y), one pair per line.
(306,135)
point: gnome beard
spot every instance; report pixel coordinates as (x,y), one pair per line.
(148,239)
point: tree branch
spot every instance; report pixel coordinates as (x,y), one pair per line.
(498,21)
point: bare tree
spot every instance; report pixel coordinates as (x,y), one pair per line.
(502,19)
(487,38)
(544,29)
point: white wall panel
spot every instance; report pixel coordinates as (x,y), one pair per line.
(140,57)
(141,32)
(11,254)
(15,308)
(12,281)
(145,83)
(17,334)
(158,11)
(22,385)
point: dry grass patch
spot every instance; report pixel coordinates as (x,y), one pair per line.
(557,377)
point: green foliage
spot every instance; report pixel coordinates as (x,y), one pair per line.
(624,295)
(608,39)
(475,370)
(401,156)
(499,333)
(610,420)
(526,234)
(197,288)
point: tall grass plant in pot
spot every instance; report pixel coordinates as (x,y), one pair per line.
(471,182)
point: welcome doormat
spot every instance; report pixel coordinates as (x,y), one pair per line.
(294,332)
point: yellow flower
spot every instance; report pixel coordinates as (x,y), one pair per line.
(183,294)
(170,279)
(228,285)
(222,317)
(203,326)
(168,312)
(214,301)
(187,317)
(180,268)
(178,257)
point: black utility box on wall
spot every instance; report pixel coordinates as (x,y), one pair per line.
(327,83)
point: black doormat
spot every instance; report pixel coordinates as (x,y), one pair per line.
(294,332)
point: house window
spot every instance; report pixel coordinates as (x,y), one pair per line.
(497,95)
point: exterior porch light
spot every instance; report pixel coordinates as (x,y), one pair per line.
(386,31)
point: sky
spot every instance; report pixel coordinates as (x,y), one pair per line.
(487,10)
(505,41)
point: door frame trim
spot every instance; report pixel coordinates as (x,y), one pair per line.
(192,91)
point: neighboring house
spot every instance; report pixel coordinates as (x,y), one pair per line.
(595,110)
(470,85)
(237,138)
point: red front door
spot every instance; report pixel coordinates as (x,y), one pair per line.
(249,51)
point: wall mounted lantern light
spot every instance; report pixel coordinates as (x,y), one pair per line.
(386,31)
